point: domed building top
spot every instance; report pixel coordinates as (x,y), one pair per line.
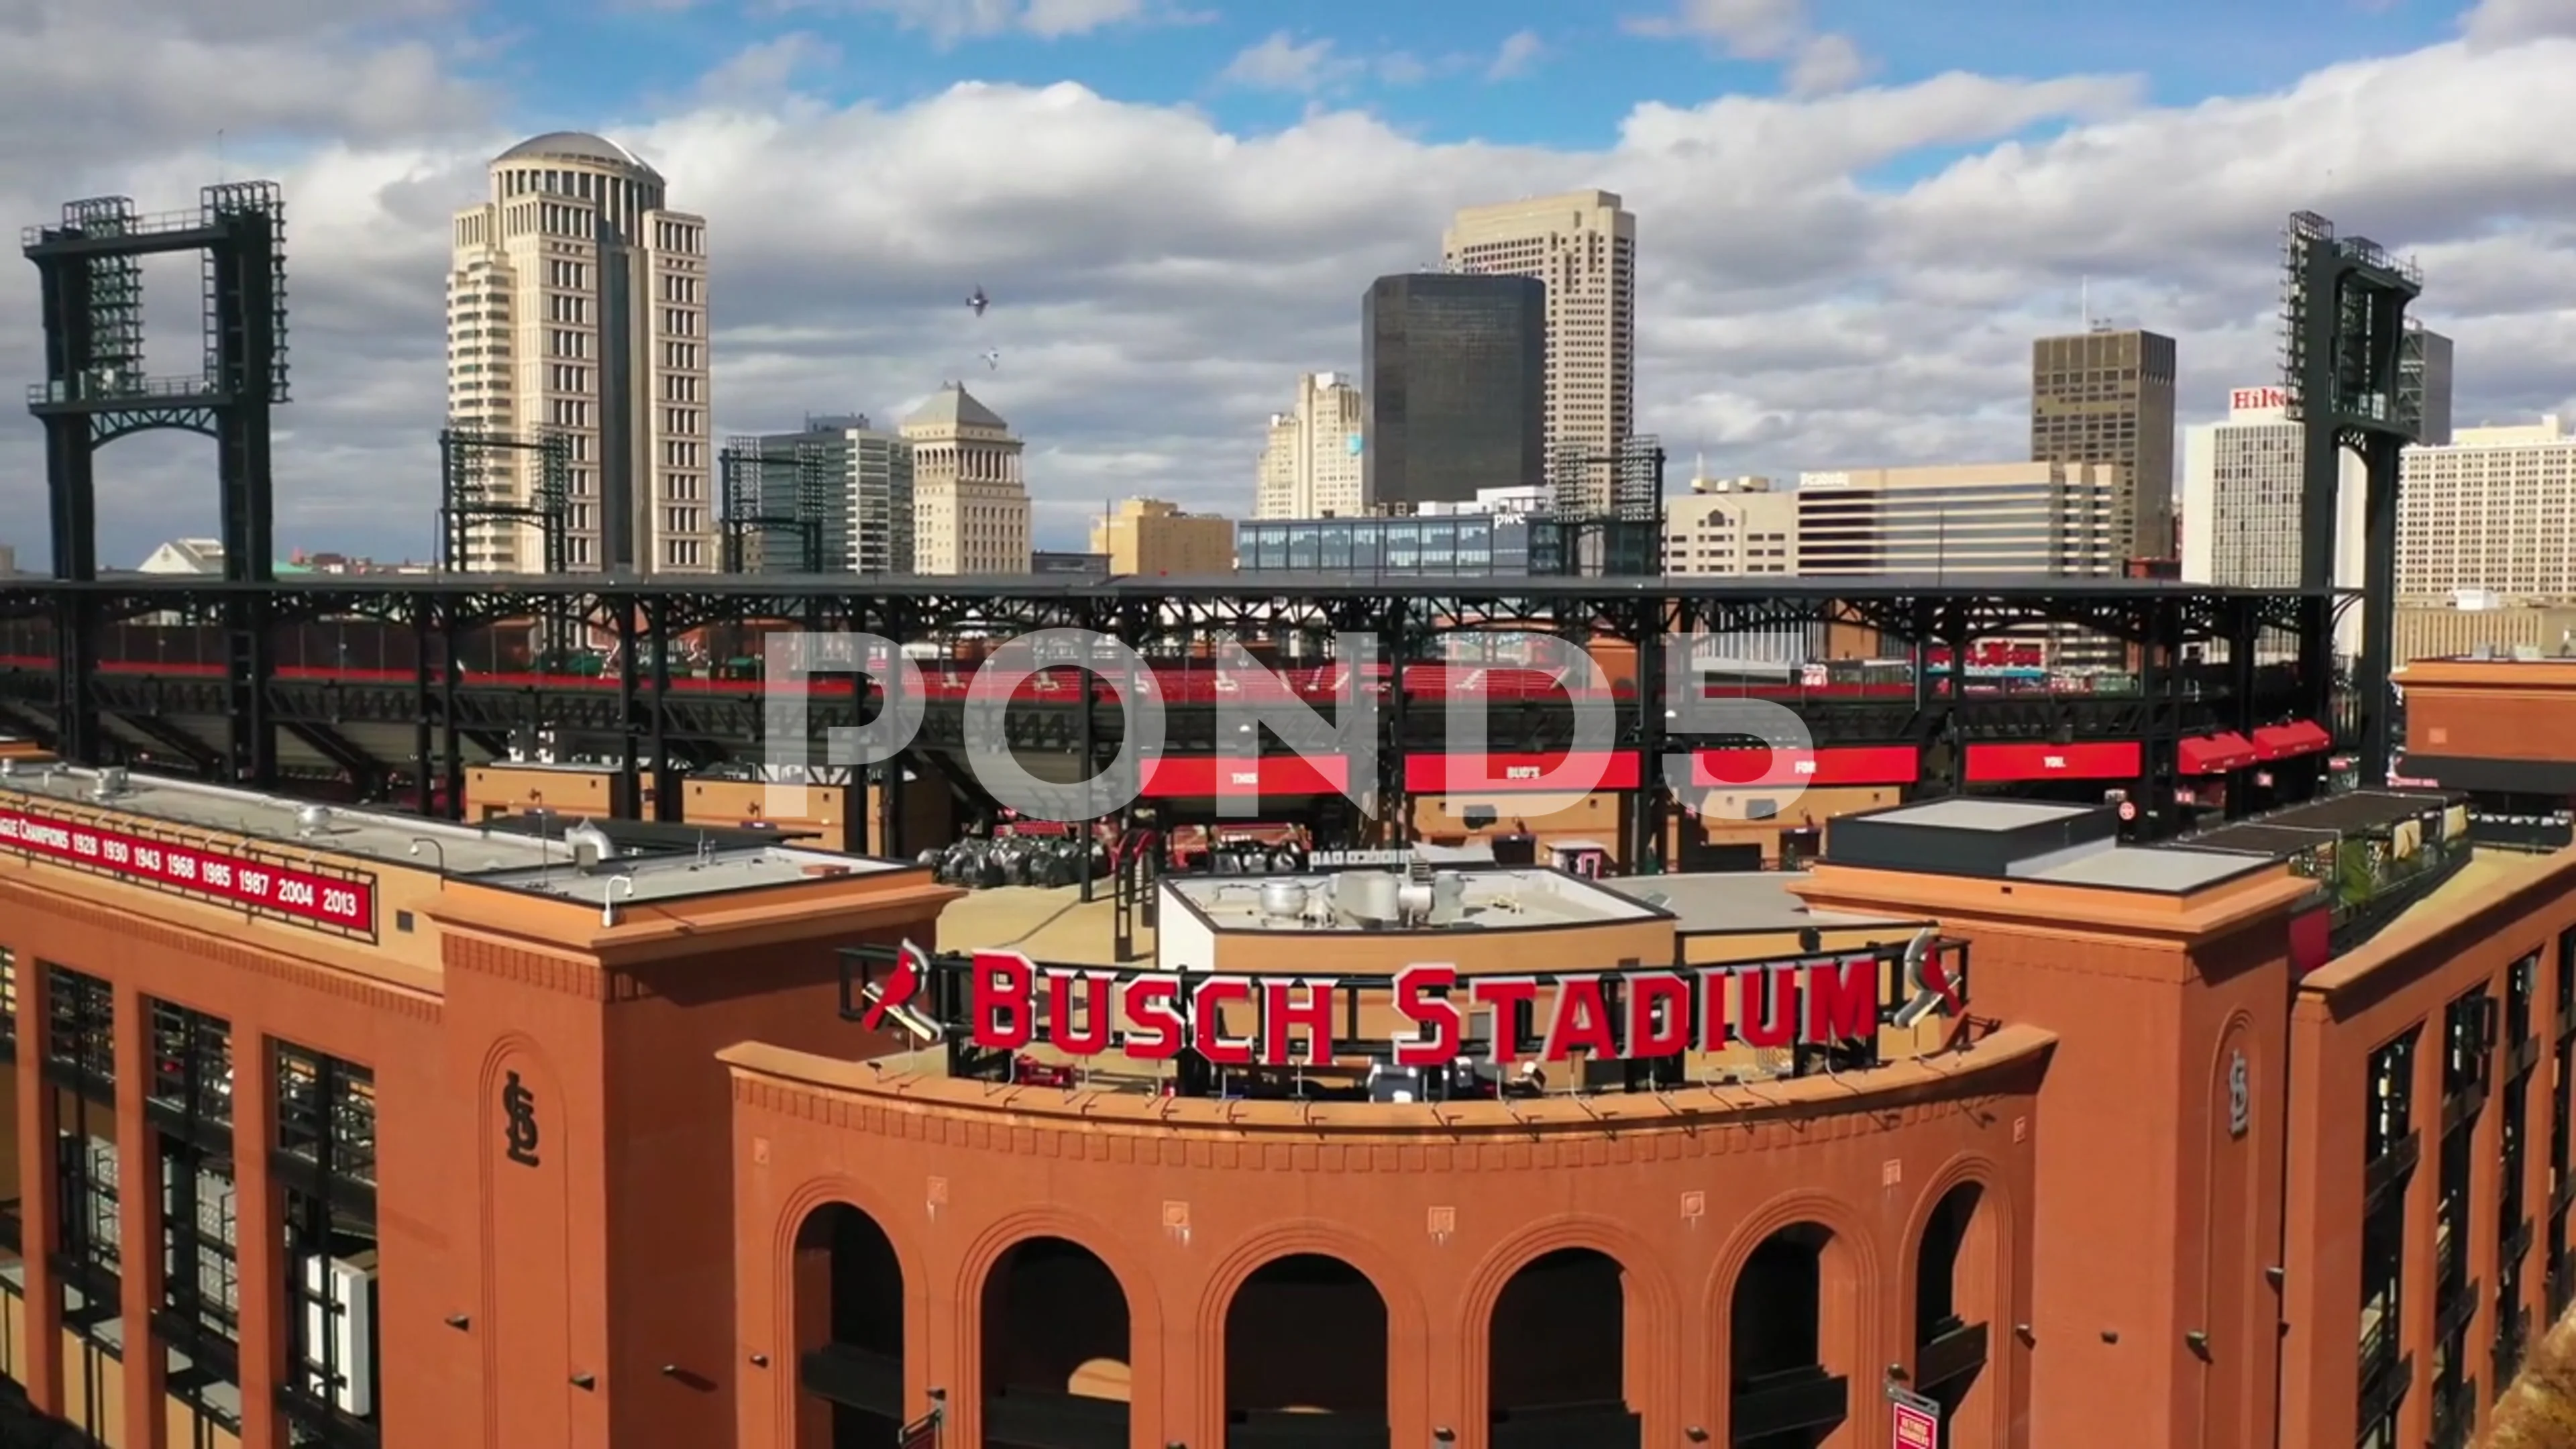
(577,146)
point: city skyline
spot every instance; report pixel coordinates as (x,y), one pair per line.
(1854,326)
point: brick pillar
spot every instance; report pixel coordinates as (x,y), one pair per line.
(39,1188)
(260,1239)
(138,1226)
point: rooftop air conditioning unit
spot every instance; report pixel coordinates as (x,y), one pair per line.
(339,1320)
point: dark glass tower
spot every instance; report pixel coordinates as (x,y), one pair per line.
(1454,368)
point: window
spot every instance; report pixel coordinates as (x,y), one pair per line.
(189,1102)
(2388,1164)
(325,1161)
(80,1032)
(2468,1044)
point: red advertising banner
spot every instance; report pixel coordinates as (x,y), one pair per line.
(1915,1427)
(1755,765)
(2091,760)
(1443,774)
(235,880)
(1185,777)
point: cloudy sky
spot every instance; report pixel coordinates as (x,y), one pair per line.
(1853,217)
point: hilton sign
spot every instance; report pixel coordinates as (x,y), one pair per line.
(1012,1003)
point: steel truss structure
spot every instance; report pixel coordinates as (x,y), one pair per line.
(480,480)
(747,468)
(2345,365)
(96,390)
(424,632)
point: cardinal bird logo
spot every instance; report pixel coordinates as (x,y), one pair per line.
(1929,980)
(901,984)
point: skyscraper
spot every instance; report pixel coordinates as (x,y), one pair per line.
(1453,370)
(576,305)
(1311,468)
(1583,246)
(970,506)
(2107,396)
(2494,510)
(862,479)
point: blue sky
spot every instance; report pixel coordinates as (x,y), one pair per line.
(1822,284)
(1590,72)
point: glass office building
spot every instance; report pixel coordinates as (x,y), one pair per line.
(1454,546)
(1454,371)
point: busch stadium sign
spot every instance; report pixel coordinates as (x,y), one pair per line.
(1001,1001)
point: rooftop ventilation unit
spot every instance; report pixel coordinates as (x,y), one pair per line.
(108,784)
(589,846)
(1283,900)
(1369,897)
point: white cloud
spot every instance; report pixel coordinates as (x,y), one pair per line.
(1520,50)
(950,21)
(1776,30)
(2492,23)
(1281,62)
(765,71)
(1793,313)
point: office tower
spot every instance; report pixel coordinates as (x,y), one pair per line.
(1732,526)
(2107,396)
(1149,537)
(861,479)
(2424,382)
(1979,520)
(1311,466)
(2241,509)
(970,505)
(2494,511)
(2043,520)
(1582,246)
(1454,371)
(576,305)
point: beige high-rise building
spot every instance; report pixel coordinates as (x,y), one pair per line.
(2493,511)
(576,305)
(970,506)
(1152,538)
(1583,246)
(1731,526)
(1311,467)
(2043,520)
(2107,396)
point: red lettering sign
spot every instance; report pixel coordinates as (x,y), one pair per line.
(1443,774)
(297,895)
(1278,1020)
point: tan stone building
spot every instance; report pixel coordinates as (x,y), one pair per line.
(1732,526)
(970,503)
(1583,245)
(1151,537)
(2495,510)
(577,304)
(1311,467)
(2107,396)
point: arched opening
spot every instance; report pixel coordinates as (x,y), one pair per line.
(1305,1358)
(1557,1356)
(1055,1349)
(1953,1303)
(849,1332)
(1786,1392)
